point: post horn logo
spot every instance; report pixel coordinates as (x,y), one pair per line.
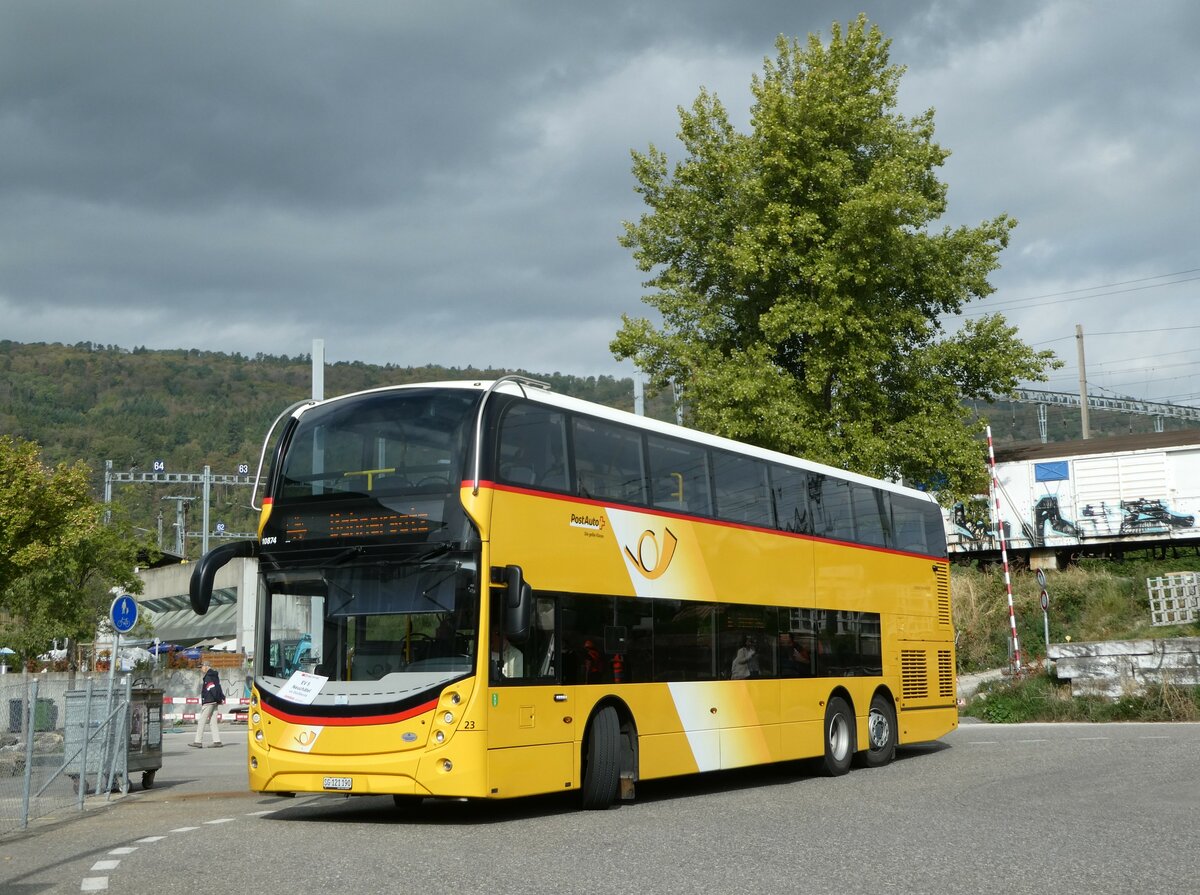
(651,559)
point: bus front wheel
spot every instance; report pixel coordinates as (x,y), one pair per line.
(601,772)
(881,733)
(839,737)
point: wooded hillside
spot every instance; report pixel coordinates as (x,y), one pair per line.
(189,408)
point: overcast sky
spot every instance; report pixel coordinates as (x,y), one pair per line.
(444,182)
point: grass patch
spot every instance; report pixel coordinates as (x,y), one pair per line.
(1091,600)
(1036,696)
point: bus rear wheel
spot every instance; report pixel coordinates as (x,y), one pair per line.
(881,734)
(839,737)
(602,765)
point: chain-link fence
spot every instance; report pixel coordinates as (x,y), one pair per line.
(59,745)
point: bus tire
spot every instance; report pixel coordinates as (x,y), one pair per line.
(602,766)
(881,734)
(839,737)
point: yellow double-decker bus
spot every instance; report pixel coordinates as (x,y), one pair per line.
(504,591)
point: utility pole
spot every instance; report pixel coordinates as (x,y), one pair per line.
(180,524)
(1083,400)
(318,370)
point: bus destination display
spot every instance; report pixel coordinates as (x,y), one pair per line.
(352,524)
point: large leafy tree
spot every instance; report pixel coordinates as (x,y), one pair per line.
(800,281)
(59,558)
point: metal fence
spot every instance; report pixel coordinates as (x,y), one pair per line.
(59,745)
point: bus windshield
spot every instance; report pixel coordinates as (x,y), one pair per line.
(379,444)
(366,622)
(373,469)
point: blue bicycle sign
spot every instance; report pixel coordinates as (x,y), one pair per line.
(124,613)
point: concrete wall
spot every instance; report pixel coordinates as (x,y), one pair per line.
(1119,667)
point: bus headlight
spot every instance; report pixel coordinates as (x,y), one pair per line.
(439,736)
(448,717)
(447,765)
(454,698)
(258,735)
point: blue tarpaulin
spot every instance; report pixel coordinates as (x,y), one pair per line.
(1051,472)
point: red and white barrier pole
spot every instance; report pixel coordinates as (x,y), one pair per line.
(1012,616)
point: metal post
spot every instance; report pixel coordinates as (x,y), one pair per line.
(1012,616)
(207,495)
(639,395)
(120,738)
(318,370)
(87,732)
(29,715)
(107,491)
(1041,577)
(1083,399)
(105,757)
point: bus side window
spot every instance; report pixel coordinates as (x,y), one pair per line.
(910,526)
(532,447)
(741,489)
(679,472)
(872,515)
(834,512)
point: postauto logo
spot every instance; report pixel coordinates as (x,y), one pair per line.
(594,523)
(652,558)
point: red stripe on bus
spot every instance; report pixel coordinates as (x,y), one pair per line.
(316,721)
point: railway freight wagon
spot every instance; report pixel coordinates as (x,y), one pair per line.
(1089,497)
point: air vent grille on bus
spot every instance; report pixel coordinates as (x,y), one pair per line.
(914,675)
(941,577)
(945,674)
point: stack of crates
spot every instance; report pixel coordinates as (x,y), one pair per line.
(1174,599)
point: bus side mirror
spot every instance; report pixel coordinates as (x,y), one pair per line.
(518,603)
(201,586)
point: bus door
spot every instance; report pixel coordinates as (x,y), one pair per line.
(531,724)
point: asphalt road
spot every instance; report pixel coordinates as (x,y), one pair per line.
(1064,808)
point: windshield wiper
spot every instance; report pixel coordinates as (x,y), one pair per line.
(432,553)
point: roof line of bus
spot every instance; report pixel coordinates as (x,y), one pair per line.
(613,414)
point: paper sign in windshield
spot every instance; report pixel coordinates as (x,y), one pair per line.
(302,687)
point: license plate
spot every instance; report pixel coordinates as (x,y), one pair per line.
(342,783)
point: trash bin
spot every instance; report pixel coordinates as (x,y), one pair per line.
(141,738)
(145,733)
(45,715)
(102,738)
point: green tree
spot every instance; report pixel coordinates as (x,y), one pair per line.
(59,560)
(799,280)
